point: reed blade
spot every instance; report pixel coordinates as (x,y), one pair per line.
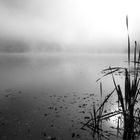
(101,91)
(128,42)
(135,55)
(127,22)
(128,52)
(106,99)
(120,96)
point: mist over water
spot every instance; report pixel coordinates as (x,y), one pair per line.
(68,66)
(51,54)
(93,26)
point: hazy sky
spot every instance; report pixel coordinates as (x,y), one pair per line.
(82,23)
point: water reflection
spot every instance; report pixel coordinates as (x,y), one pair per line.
(61,83)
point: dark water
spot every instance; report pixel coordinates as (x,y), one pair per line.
(49,95)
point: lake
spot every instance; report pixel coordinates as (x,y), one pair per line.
(46,96)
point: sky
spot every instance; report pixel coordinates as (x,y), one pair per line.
(77,24)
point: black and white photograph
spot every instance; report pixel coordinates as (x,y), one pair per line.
(69,69)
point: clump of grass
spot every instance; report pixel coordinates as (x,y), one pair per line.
(127,99)
(97,118)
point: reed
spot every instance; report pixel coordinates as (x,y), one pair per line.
(127,99)
(97,118)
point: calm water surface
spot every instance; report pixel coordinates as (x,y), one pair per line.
(48,95)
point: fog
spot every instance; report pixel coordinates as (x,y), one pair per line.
(73,25)
(47,95)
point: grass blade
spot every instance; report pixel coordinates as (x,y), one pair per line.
(106,99)
(127,22)
(128,43)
